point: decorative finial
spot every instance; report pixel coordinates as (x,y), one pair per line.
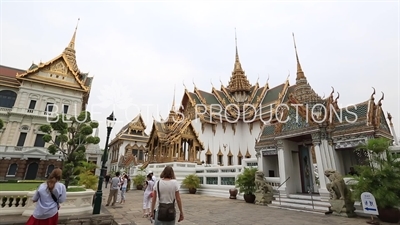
(287,78)
(220,81)
(338,95)
(389,116)
(333,91)
(212,85)
(183,82)
(373,93)
(323,95)
(380,100)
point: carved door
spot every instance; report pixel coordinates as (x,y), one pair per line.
(306,171)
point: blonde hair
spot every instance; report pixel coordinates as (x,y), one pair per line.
(53,178)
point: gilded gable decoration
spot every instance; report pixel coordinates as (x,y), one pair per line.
(224,126)
(240,154)
(203,127)
(220,152)
(234,128)
(214,128)
(247,154)
(251,128)
(230,153)
(208,151)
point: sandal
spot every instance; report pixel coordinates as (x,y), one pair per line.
(145,215)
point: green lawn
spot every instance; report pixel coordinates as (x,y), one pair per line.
(29,187)
(19,186)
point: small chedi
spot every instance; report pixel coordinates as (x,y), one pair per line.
(340,195)
(264,192)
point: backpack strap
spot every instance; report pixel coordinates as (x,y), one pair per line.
(158,190)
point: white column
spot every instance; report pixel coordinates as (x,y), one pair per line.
(285,168)
(322,166)
(260,161)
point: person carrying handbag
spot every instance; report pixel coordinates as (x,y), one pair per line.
(166,191)
(48,197)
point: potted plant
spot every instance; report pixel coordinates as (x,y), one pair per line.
(139,180)
(246,184)
(381,177)
(192,182)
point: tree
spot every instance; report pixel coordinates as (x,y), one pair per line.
(86,176)
(72,135)
(1,124)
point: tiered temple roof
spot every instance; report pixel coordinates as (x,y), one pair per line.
(63,66)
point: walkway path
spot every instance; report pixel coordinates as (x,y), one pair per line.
(205,210)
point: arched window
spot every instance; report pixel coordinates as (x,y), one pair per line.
(12,170)
(7,98)
(50,169)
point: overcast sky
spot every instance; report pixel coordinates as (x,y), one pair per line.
(139,51)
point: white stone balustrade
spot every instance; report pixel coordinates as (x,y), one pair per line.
(20,203)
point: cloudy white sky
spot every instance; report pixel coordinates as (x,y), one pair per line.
(139,51)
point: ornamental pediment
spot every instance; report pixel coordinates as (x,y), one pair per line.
(36,151)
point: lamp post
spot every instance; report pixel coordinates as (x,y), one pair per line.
(99,193)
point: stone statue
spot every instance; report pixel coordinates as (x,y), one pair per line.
(337,186)
(264,192)
(340,195)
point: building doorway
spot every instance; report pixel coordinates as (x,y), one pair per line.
(306,169)
(31,171)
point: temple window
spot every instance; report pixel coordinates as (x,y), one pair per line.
(220,160)
(208,159)
(7,98)
(229,160)
(240,160)
(12,170)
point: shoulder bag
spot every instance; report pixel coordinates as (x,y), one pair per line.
(166,211)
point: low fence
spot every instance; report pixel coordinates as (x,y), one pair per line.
(20,203)
(215,180)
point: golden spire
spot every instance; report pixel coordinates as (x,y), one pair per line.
(69,52)
(72,42)
(173,101)
(300,73)
(238,65)
(239,81)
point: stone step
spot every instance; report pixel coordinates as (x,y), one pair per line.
(299,207)
(299,202)
(303,202)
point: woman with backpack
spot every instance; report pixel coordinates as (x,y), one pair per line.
(166,190)
(48,197)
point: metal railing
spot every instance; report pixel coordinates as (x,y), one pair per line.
(312,198)
(279,193)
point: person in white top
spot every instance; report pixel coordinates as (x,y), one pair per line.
(123,188)
(147,196)
(167,188)
(48,197)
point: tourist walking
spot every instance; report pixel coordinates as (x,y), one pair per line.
(123,188)
(48,197)
(107,179)
(114,187)
(166,190)
(152,176)
(120,188)
(147,196)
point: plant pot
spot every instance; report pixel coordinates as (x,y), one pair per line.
(192,190)
(139,187)
(249,198)
(389,215)
(233,192)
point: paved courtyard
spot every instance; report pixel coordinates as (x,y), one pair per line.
(205,210)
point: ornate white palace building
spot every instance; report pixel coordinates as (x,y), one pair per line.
(286,130)
(128,148)
(27,99)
